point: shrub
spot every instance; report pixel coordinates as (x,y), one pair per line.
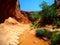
(53,36)
(55,40)
(43,33)
(57,23)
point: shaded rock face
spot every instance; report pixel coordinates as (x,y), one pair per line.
(57,3)
(10,8)
(26,14)
(7,8)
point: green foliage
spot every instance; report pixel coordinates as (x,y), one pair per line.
(47,15)
(43,33)
(48,11)
(55,40)
(53,36)
(34,16)
(57,23)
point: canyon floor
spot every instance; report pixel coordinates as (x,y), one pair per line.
(13,32)
(29,38)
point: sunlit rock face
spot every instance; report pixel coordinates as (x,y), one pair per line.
(10,8)
(10,31)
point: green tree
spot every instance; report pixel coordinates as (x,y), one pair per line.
(48,14)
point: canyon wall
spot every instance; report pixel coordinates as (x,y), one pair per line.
(57,3)
(10,8)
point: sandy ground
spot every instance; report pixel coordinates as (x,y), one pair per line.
(29,38)
(10,31)
(19,34)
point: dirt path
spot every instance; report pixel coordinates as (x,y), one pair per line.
(29,38)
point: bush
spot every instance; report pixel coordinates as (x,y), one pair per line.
(55,40)
(57,23)
(43,33)
(53,36)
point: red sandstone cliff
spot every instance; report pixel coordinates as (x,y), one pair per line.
(10,8)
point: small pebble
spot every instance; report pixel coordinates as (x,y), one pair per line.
(35,42)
